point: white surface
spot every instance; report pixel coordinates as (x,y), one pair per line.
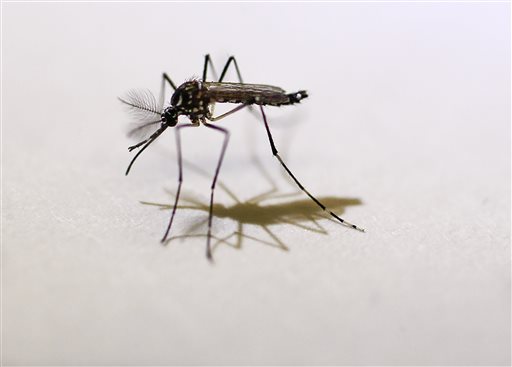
(409,112)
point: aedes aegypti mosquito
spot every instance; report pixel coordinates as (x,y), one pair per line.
(195,99)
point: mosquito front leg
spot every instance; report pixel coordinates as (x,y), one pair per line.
(180,179)
(165,78)
(210,215)
(276,154)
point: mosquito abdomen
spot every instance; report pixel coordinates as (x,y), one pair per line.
(259,94)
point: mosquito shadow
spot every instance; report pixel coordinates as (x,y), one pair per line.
(301,213)
(257,211)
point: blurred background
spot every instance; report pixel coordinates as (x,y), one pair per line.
(406,133)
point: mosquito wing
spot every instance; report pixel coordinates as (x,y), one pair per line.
(260,94)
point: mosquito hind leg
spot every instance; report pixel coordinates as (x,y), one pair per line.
(210,214)
(276,154)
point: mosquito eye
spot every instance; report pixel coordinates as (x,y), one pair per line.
(176,99)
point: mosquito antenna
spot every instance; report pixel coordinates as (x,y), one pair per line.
(145,110)
(142,103)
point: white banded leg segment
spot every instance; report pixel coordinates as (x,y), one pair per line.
(276,154)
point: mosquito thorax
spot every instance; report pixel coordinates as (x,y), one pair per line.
(191,99)
(169,116)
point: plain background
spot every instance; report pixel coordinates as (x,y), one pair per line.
(406,133)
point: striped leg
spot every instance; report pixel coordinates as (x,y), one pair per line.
(275,153)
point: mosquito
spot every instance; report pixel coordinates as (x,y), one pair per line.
(195,99)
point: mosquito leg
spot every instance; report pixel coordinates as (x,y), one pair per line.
(208,61)
(223,74)
(237,108)
(204,173)
(210,215)
(224,71)
(165,78)
(276,154)
(205,67)
(148,141)
(180,180)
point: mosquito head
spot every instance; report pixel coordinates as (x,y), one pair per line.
(169,116)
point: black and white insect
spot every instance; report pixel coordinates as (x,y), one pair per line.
(195,99)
